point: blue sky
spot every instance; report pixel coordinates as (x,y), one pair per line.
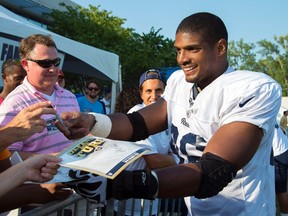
(251,20)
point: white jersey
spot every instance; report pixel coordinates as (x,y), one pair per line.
(234,96)
(107,104)
(157,143)
(280,141)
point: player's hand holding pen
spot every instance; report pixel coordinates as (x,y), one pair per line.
(59,119)
(75,124)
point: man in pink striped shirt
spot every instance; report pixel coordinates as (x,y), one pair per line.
(39,57)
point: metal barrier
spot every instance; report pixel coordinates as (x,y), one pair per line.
(78,206)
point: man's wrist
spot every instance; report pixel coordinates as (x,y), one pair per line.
(134,184)
(9,138)
(92,121)
(102,125)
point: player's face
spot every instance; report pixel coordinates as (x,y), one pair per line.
(43,79)
(197,59)
(152,90)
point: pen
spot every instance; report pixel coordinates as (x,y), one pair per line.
(58,117)
(57,114)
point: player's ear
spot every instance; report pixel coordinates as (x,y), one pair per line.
(222,46)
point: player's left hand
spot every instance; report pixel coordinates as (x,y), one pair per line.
(75,124)
(88,185)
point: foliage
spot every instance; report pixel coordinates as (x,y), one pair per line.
(275,60)
(270,58)
(100,29)
(146,51)
(240,55)
(137,53)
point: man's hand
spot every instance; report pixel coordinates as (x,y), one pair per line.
(26,123)
(88,185)
(39,168)
(77,124)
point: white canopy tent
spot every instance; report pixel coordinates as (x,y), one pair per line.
(79,58)
(284,107)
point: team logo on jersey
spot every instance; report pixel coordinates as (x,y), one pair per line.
(245,102)
(184,122)
(191,102)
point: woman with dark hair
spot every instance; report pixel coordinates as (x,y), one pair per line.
(127,98)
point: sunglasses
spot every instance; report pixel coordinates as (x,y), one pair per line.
(47,63)
(91,89)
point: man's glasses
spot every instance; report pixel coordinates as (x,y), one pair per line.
(91,89)
(47,63)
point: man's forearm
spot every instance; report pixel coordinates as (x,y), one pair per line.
(121,127)
(171,186)
(157,161)
(11,178)
(8,139)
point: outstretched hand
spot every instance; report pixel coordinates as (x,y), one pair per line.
(76,124)
(40,168)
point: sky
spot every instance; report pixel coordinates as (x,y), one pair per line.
(250,20)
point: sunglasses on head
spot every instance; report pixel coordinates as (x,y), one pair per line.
(91,88)
(47,63)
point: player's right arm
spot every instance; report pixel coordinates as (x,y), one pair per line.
(80,124)
(155,116)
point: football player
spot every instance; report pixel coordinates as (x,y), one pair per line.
(221,121)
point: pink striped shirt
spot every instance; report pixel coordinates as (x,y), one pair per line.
(51,140)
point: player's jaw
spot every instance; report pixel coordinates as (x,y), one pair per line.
(190,72)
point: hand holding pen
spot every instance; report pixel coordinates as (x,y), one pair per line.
(58,116)
(42,98)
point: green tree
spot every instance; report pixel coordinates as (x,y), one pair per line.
(139,52)
(101,29)
(268,57)
(242,55)
(275,60)
(146,51)
(91,26)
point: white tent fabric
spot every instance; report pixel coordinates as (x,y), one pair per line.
(79,58)
(284,107)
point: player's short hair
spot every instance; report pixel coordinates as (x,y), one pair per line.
(209,26)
